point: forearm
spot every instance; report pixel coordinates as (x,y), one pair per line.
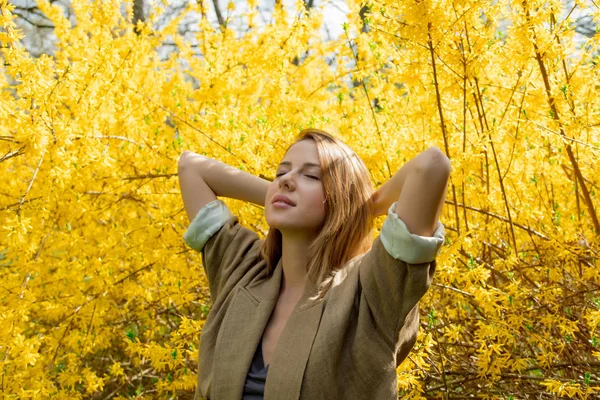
(390,191)
(227,181)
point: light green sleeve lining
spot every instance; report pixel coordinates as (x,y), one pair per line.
(406,246)
(206,223)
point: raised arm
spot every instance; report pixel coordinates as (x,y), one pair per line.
(227,247)
(397,271)
(419,190)
(202,179)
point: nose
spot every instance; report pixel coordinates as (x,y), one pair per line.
(285,180)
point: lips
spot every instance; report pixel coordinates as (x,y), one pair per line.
(284,199)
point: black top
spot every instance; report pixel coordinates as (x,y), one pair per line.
(254,388)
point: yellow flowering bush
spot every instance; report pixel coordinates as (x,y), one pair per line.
(101,298)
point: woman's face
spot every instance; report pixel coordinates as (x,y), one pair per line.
(301,182)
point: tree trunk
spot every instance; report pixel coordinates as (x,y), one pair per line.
(220,18)
(138,14)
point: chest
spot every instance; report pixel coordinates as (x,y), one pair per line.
(281,313)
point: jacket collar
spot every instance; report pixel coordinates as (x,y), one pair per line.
(267,289)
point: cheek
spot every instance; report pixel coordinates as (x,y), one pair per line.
(318,198)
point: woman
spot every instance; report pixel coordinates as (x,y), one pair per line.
(318,307)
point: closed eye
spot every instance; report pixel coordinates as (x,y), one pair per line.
(310,176)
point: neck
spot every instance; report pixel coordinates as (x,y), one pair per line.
(294,262)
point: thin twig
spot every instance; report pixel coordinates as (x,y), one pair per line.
(454,289)
(18,203)
(555,115)
(187,123)
(438,98)
(494,215)
(364,85)
(133,178)
(11,154)
(31,183)
(116,137)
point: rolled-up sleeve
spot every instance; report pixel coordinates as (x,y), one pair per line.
(228,248)
(208,220)
(406,246)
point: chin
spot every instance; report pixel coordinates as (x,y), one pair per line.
(278,225)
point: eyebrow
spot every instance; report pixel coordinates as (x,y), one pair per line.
(306,164)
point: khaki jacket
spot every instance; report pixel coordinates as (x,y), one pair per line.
(346,346)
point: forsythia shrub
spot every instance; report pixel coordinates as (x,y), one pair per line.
(100,297)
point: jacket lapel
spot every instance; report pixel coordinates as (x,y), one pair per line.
(288,363)
(242,329)
(240,333)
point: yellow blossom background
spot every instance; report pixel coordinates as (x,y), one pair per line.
(101,298)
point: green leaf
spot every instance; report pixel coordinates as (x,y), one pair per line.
(431,318)
(587,379)
(130,334)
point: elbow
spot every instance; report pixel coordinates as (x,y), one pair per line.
(437,160)
(188,158)
(191,163)
(183,158)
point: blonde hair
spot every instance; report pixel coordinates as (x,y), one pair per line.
(348,227)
